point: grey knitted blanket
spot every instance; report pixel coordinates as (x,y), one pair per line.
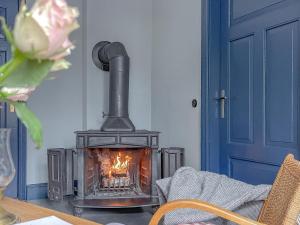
(220,190)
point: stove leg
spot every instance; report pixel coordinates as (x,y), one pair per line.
(77,211)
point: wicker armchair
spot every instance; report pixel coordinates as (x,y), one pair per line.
(282,206)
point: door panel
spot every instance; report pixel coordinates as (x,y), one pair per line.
(8,119)
(260,73)
(247,171)
(241,90)
(281,85)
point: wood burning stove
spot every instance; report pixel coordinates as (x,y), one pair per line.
(117,165)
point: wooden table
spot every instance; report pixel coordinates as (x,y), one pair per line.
(28,211)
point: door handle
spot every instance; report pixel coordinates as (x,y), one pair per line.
(222,99)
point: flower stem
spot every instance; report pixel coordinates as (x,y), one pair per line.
(7,69)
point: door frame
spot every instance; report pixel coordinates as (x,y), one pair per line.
(210,82)
(22,155)
(22,159)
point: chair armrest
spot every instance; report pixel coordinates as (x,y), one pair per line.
(200,205)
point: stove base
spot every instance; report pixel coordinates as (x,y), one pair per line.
(121,203)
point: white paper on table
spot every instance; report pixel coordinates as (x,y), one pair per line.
(51,220)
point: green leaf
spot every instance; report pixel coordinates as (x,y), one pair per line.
(30,73)
(6,31)
(11,66)
(3,67)
(31,122)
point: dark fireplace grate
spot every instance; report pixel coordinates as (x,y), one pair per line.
(117,172)
(97,151)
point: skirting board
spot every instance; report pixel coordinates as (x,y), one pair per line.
(37,191)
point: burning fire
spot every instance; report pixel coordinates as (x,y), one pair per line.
(115,168)
(120,165)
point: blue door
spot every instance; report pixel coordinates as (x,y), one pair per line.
(8,118)
(260,71)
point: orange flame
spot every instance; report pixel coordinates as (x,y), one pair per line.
(120,165)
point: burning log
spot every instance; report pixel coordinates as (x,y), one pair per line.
(115,170)
(116,182)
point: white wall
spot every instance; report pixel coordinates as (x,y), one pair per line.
(162,38)
(58,104)
(176,74)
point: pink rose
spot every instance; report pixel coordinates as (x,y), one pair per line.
(43,32)
(17,94)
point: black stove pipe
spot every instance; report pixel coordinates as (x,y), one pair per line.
(113,57)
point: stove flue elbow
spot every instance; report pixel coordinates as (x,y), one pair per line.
(113,57)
